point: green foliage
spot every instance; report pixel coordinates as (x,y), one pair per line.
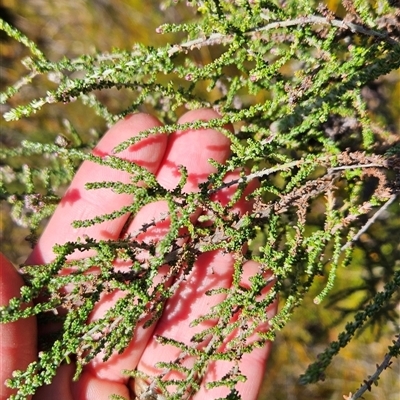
(292,79)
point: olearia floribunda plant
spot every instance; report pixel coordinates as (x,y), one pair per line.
(291,77)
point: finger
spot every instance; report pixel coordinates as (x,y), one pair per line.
(92,388)
(211,270)
(252,365)
(86,388)
(213,144)
(17,339)
(60,386)
(81,204)
(193,149)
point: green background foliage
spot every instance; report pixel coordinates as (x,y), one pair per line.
(316,115)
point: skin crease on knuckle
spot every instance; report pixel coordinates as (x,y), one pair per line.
(161,155)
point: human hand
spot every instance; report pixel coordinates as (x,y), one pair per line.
(161,155)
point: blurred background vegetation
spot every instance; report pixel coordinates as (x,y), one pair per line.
(92,26)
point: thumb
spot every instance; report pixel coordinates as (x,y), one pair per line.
(17,339)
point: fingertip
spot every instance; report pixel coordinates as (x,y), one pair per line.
(192,149)
(225,195)
(202,114)
(148,152)
(205,114)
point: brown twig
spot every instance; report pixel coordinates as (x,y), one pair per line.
(373,378)
(327,21)
(217,38)
(369,222)
(286,166)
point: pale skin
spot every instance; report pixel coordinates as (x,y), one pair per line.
(162,155)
